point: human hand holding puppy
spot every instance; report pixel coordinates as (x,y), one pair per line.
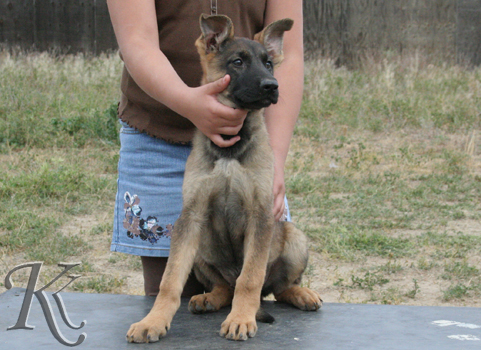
(211,117)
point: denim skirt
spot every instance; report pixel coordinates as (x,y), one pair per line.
(149,193)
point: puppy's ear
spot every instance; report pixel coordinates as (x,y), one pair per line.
(215,30)
(272,37)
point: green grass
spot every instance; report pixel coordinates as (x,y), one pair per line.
(368,281)
(385,164)
(465,278)
(99,284)
(391,95)
(348,242)
(57,101)
(58,145)
(384,168)
(374,283)
(462,291)
(460,270)
(40,194)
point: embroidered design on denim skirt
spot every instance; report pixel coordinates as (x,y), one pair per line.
(146,230)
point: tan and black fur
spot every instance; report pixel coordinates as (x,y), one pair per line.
(227,231)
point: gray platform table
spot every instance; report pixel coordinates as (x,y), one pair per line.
(335,326)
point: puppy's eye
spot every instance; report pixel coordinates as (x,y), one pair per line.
(238,62)
(268,64)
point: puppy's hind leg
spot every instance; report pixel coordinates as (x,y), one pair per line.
(301,297)
(220,296)
(294,261)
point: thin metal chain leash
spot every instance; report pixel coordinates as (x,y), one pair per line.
(213,7)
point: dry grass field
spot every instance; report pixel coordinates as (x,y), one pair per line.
(384,176)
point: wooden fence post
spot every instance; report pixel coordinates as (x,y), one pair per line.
(64,26)
(468,33)
(342,29)
(104,32)
(17,23)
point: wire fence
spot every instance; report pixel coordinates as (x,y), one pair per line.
(57,25)
(345,30)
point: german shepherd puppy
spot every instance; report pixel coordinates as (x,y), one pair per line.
(227,231)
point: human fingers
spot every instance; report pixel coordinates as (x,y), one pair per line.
(228,130)
(227,116)
(221,142)
(217,86)
(279,191)
(279,207)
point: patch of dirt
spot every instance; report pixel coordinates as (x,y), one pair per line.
(332,278)
(326,275)
(466,226)
(96,261)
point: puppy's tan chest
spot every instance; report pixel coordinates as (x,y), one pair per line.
(229,172)
(233,192)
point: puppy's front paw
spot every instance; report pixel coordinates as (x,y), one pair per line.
(149,330)
(238,327)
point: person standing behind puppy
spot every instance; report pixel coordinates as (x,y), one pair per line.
(162,103)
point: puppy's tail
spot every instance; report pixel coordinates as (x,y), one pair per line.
(263,316)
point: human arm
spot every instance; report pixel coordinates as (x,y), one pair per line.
(135,26)
(281,117)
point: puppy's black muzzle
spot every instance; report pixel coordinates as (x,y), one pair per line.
(258,94)
(269,85)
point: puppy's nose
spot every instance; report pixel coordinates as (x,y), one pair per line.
(269,85)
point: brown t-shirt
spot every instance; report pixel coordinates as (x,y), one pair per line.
(178,22)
